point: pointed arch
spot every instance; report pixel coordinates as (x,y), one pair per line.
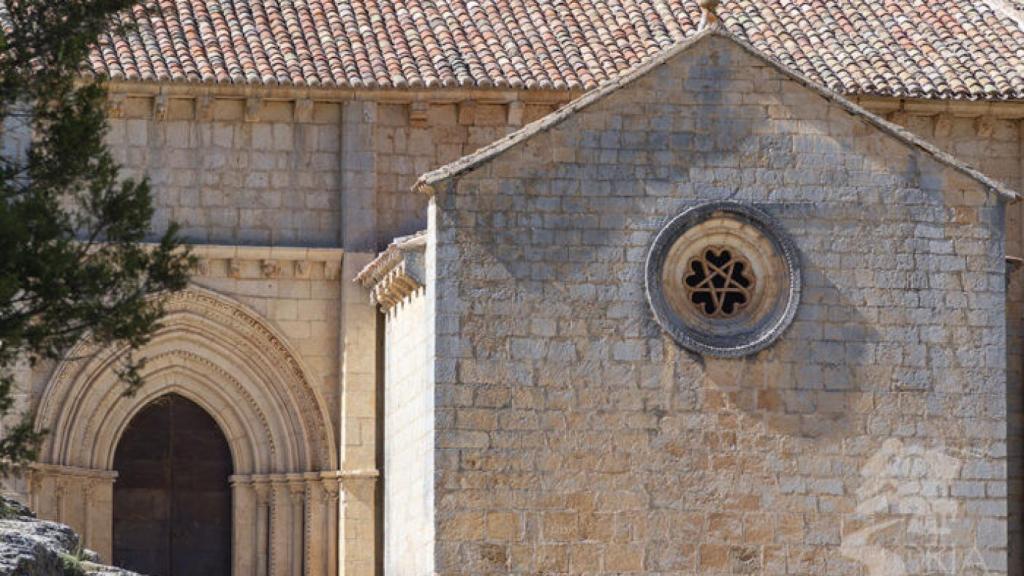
(215,352)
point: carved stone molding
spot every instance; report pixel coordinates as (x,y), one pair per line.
(73,471)
(258,262)
(397,272)
(219,354)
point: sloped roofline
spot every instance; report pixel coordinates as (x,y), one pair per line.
(428,182)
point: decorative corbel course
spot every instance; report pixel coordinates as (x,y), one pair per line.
(397,272)
(267,262)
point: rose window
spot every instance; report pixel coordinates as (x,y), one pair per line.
(719,282)
(723,279)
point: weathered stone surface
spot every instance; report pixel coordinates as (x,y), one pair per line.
(887,390)
(32,547)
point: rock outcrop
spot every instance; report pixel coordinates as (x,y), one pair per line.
(33,547)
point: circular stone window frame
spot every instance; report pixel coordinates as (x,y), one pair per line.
(730,339)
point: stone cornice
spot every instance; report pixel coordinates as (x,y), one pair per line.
(265,252)
(1008,109)
(268,261)
(397,272)
(235,91)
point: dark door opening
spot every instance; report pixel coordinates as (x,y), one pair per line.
(172,502)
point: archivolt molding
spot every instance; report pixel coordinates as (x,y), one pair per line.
(219,354)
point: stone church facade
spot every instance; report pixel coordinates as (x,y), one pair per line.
(459,370)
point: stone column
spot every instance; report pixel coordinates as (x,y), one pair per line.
(358,339)
(331,490)
(297,494)
(82,498)
(99,516)
(262,548)
(358,525)
(280,528)
(244,526)
(317,532)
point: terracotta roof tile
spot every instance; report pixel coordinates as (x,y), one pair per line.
(958,49)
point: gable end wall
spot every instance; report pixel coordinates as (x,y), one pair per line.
(573,436)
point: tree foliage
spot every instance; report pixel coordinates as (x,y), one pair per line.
(73,262)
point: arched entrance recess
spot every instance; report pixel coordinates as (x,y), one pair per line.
(228,360)
(172,501)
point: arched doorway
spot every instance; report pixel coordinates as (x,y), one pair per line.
(232,363)
(172,501)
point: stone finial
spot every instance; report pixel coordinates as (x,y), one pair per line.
(708,17)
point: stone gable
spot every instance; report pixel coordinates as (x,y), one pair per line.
(574,436)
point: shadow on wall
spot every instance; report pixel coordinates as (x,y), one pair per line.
(544,262)
(816,383)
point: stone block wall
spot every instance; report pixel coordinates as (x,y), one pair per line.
(409,140)
(228,179)
(297,292)
(409,440)
(992,140)
(573,436)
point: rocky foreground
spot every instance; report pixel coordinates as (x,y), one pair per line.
(33,547)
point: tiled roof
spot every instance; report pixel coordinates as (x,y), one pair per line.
(910,48)
(430,181)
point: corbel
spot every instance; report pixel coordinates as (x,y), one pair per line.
(204,108)
(418,114)
(984,127)
(943,126)
(115,106)
(203,267)
(253,107)
(515,113)
(304,110)
(160,106)
(332,270)
(270,268)
(467,112)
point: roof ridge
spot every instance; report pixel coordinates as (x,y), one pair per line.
(428,181)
